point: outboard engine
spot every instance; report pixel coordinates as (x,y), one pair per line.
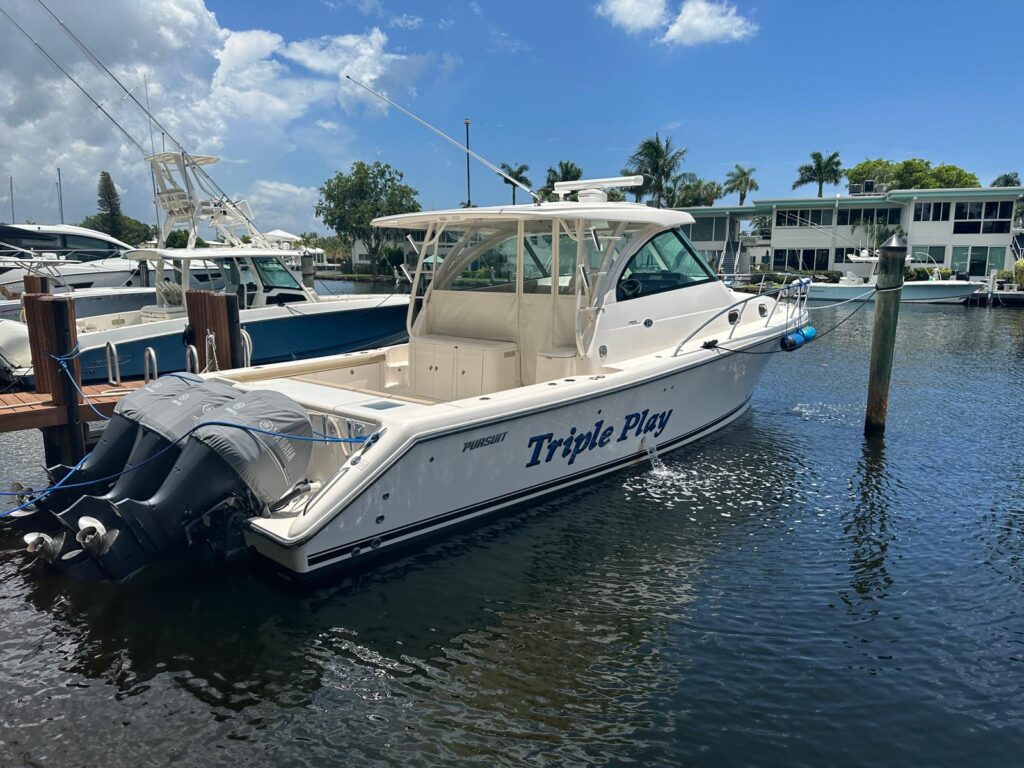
(156,447)
(245,455)
(137,409)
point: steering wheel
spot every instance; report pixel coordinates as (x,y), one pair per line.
(630,287)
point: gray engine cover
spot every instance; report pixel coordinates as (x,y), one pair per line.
(269,465)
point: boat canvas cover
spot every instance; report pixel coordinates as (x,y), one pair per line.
(147,403)
(269,464)
(177,404)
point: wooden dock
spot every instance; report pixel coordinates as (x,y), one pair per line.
(36,410)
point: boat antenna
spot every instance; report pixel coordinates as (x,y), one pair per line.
(201,174)
(447,138)
(76,83)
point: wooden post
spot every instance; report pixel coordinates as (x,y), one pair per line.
(216,312)
(308,269)
(36,284)
(889,287)
(57,336)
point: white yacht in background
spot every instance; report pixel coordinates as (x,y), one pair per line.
(853,286)
(72,257)
(556,342)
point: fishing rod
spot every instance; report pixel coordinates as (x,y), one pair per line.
(447,138)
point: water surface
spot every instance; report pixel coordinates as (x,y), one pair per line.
(781,593)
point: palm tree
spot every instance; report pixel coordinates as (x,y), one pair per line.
(1011,179)
(741,180)
(518,173)
(658,162)
(567,170)
(822,170)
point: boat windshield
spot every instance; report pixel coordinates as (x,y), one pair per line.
(274,274)
(483,258)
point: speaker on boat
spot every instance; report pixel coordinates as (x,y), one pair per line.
(251,451)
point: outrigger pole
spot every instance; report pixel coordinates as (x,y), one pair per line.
(448,138)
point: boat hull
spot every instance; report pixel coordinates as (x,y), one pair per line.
(919,292)
(282,337)
(292,337)
(469,471)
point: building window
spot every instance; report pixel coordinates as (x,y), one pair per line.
(704,229)
(931,211)
(934,255)
(989,218)
(843,254)
(807,217)
(978,260)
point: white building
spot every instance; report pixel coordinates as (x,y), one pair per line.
(968,230)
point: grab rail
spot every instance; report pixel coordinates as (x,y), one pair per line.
(783,292)
(149,369)
(246,349)
(113,365)
(191,359)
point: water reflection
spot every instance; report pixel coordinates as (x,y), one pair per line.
(867,527)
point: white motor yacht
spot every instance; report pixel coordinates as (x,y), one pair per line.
(556,343)
(853,286)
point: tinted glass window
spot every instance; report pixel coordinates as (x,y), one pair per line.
(664,263)
(843,217)
(274,274)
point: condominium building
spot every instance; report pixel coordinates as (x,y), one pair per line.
(968,230)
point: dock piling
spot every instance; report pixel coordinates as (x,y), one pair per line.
(889,288)
(308,269)
(215,313)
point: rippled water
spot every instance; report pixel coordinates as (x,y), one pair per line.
(781,593)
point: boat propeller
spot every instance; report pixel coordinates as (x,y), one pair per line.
(47,548)
(94,536)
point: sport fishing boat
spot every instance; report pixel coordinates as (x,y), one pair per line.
(853,286)
(555,343)
(284,319)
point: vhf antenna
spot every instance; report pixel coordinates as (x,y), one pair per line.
(448,138)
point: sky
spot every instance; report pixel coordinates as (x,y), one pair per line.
(260,83)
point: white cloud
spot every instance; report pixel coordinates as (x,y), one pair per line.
(406,21)
(363,57)
(634,15)
(249,93)
(445,24)
(476,9)
(280,205)
(705,21)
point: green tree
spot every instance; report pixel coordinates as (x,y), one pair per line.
(132,231)
(178,238)
(740,180)
(822,170)
(349,202)
(915,173)
(691,191)
(658,161)
(1011,179)
(952,176)
(518,173)
(878,170)
(566,170)
(108,202)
